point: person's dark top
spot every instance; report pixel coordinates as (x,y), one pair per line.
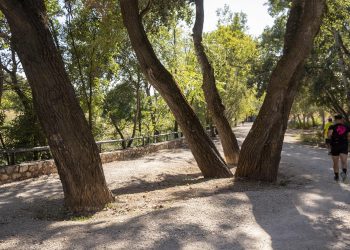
(339,133)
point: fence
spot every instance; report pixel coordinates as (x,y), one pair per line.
(19,155)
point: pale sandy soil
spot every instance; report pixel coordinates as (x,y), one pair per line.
(163,203)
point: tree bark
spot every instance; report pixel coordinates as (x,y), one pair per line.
(313,120)
(71,142)
(323,117)
(203,149)
(299,121)
(261,150)
(211,94)
(136,115)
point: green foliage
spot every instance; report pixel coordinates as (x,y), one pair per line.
(232,53)
(236,21)
(119,102)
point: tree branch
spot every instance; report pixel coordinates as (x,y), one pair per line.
(146,9)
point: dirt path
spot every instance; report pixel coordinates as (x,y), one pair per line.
(163,203)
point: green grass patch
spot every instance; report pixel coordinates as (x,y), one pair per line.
(312,137)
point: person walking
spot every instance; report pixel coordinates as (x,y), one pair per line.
(325,134)
(339,138)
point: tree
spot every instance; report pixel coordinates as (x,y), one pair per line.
(91,45)
(203,149)
(71,142)
(261,150)
(118,106)
(232,54)
(212,97)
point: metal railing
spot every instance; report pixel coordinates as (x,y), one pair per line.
(19,155)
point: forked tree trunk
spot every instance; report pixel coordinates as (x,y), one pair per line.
(70,139)
(203,149)
(211,94)
(261,150)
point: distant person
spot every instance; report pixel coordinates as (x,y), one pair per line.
(325,134)
(339,137)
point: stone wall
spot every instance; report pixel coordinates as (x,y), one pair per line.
(34,169)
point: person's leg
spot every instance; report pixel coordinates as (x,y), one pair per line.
(328,146)
(344,164)
(344,161)
(335,159)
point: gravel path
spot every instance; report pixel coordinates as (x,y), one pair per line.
(163,203)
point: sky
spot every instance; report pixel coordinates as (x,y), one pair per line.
(257,15)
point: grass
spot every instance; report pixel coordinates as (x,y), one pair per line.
(312,137)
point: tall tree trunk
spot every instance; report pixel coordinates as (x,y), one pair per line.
(261,151)
(150,104)
(211,94)
(136,116)
(313,120)
(71,142)
(304,121)
(91,89)
(203,149)
(323,117)
(299,121)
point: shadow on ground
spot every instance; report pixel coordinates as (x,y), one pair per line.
(304,210)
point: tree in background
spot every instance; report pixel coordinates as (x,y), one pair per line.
(91,44)
(233,53)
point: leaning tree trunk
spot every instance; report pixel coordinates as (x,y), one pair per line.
(261,150)
(211,94)
(70,139)
(204,151)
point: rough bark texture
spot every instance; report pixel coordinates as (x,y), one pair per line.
(203,149)
(261,150)
(71,142)
(211,94)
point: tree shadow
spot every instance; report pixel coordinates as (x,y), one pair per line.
(296,213)
(164,181)
(308,210)
(168,228)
